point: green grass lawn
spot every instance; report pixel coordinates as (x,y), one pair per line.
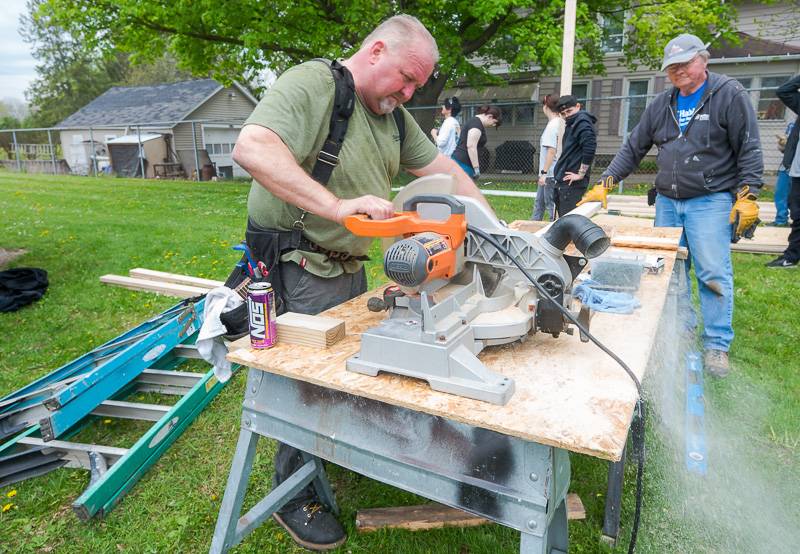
(81,228)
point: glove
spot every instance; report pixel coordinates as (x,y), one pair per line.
(599,192)
(744,215)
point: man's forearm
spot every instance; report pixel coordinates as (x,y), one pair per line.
(272,165)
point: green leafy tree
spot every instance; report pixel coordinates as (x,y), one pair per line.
(238,39)
(73,71)
(69,74)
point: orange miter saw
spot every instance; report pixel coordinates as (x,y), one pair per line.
(460,290)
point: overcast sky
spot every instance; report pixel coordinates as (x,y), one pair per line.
(16,63)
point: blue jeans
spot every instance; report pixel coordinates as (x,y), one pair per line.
(544,201)
(782,186)
(467,169)
(707,233)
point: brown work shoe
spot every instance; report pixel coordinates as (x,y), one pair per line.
(716,362)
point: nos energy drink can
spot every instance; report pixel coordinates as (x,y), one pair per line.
(261,311)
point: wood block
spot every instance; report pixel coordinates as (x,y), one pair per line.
(163,276)
(415,518)
(310,330)
(435,516)
(167,289)
(575,509)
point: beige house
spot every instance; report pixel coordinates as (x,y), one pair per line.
(768,55)
(190,129)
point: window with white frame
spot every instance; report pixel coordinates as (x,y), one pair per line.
(219,148)
(612,28)
(635,103)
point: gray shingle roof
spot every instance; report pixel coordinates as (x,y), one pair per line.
(136,105)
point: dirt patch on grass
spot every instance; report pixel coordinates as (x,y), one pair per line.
(8,256)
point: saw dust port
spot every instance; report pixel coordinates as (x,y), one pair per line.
(715,466)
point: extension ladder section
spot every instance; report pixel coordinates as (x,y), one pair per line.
(41,417)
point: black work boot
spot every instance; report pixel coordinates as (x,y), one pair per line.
(312,526)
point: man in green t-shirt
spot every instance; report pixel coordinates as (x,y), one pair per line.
(278,146)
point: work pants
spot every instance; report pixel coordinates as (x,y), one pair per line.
(782,187)
(566,197)
(792,253)
(707,233)
(306,293)
(544,201)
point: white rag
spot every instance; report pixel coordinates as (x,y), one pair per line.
(209,341)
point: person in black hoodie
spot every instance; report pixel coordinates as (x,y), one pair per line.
(577,153)
(789,94)
(709,172)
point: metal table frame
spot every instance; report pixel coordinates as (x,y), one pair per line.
(514,482)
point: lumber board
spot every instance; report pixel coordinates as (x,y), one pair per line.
(163,276)
(435,516)
(167,289)
(625,230)
(309,330)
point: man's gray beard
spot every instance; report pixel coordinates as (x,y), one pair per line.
(387,105)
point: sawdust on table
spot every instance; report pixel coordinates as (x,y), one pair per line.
(9,255)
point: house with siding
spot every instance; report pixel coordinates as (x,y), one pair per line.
(186,128)
(767,56)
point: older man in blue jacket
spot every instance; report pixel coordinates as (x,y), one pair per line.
(709,170)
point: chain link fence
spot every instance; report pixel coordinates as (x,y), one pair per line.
(511,154)
(187,149)
(201,149)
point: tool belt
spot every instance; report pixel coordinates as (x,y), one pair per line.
(267,246)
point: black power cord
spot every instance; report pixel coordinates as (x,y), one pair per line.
(638,440)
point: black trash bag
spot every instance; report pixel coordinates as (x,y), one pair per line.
(21,286)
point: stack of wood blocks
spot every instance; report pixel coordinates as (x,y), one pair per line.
(309,330)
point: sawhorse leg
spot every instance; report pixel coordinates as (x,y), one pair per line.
(555,539)
(231,528)
(616,475)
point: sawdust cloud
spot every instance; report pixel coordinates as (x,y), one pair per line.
(747,501)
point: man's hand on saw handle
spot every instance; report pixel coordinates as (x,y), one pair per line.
(744,215)
(599,192)
(373,206)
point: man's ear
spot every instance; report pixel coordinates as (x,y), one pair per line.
(578,105)
(376,50)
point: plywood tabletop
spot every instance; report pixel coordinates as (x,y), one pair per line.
(568,394)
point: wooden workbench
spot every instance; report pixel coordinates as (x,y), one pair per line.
(568,395)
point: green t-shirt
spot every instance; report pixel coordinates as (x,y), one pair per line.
(298,109)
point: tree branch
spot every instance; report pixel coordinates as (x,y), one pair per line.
(211,37)
(632,6)
(468,47)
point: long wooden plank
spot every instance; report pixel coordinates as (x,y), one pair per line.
(167,289)
(435,516)
(164,277)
